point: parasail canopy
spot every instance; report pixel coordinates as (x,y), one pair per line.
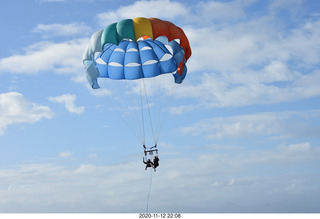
(137,48)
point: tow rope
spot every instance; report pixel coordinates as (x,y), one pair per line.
(149,190)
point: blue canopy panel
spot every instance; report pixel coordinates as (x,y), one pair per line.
(178,54)
(142,59)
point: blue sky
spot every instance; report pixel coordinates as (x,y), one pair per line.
(242,133)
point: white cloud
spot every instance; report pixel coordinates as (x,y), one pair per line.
(52,30)
(69,102)
(214,10)
(65,154)
(283,154)
(156,8)
(278,5)
(16,109)
(253,43)
(65,57)
(182,109)
(206,183)
(272,125)
(252,61)
(298,149)
(247,62)
(93,156)
(249,87)
(102,92)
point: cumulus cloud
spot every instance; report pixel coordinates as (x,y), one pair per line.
(65,57)
(52,30)
(156,8)
(69,102)
(93,156)
(65,154)
(102,92)
(16,109)
(206,183)
(251,61)
(249,88)
(272,125)
(219,11)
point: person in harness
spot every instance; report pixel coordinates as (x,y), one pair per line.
(148,163)
(155,163)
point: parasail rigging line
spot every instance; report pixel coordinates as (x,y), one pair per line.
(166,99)
(147,211)
(150,118)
(142,114)
(134,109)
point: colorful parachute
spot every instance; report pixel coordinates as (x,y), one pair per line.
(137,48)
(137,55)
